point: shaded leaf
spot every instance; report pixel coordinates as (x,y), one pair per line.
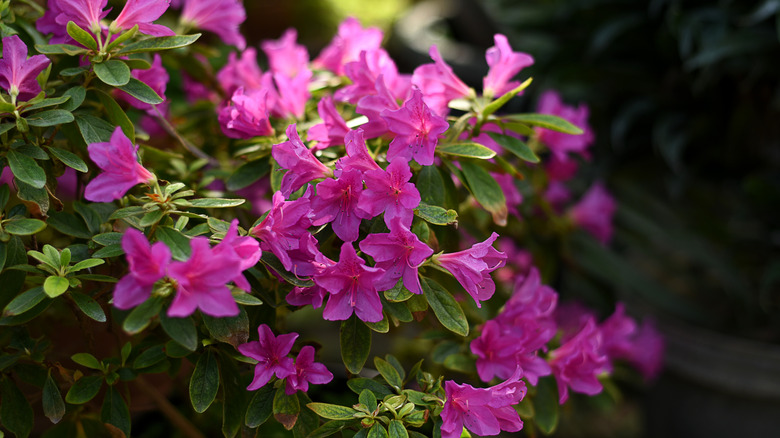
(204,382)
(232,330)
(515,146)
(25,301)
(115,411)
(69,159)
(141,91)
(89,306)
(15,412)
(546,121)
(355,341)
(51,399)
(444,306)
(140,317)
(50,118)
(159,43)
(260,407)
(112,72)
(84,390)
(181,330)
(486,191)
(546,405)
(26,169)
(286,408)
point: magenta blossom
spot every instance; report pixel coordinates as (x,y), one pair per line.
(285,56)
(594,212)
(346,46)
(337,202)
(306,296)
(504,65)
(201,281)
(364,73)
(245,248)
(472,268)
(283,227)
(142,13)
(223,17)
(358,157)
(641,346)
(246,115)
(147,265)
(306,371)
(372,107)
(118,160)
(483,411)
(390,191)
(353,288)
(439,84)
(578,362)
(17,73)
(288,94)
(561,144)
(47,24)
(417,130)
(241,72)
(497,351)
(400,253)
(156,77)
(302,166)
(84,13)
(333,128)
(271,354)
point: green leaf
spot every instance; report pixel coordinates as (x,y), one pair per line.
(329,428)
(332,412)
(55,286)
(89,306)
(468,150)
(69,159)
(245,299)
(388,372)
(112,250)
(216,202)
(51,399)
(5,193)
(135,210)
(81,35)
(110,238)
(116,115)
(286,408)
(546,121)
(159,43)
(60,49)
(248,173)
(504,98)
(69,224)
(444,306)
(113,72)
(87,360)
(398,293)
(77,95)
(486,191)
(5,127)
(515,146)
(15,412)
(12,280)
(122,38)
(234,397)
(24,227)
(260,407)
(140,317)
(367,398)
(13,320)
(204,382)
(460,362)
(25,301)
(431,186)
(436,215)
(377,431)
(39,197)
(359,384)
(178,243)
(151,218)
(141,91)
(115,411)
(396,429)
(32,151)
(47,103)
(93,129)
(86,264)
(84,390)
(270,260)
(546,405)
(382,326)
(26,169)
(355,341)
(233,330)
(181,330)
(151,356)
(50,118)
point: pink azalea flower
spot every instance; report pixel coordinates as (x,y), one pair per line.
(283,227)
(147,264)
(306,296)
(346,46)
(399,253)
(285,56)
(641,346)
(561,144)
(290,94)
(438,83)
(594,212)
(201,281)
(357,157)
(118,160)
(513,196)
(271,354)
(483,411)
(244,248)
(472,268)
(648,352)
(559,170)
(306,371)
(364,73)
(504,65)
(47,24)
(241,72)
(155,77)
(333,128)
(372,107)
(496,351)
(558,195)
(417,130)
(302,166)
(337,202)
(390,191)
(17,73)
(223,17)
(246,115)
(142,13)
(352,287)
(84,13)
(577,363)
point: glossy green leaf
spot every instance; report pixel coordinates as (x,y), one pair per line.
(232,330)
(546,405)
(69,159)
(45,103)
(546,121)
(87,264)
(151,356)
(204,382)
(436,215)
(24,227)
(515,146)
(431,186)
(332,412)
(110,238)
(81,36)
(77,95)
(124,36)
(50,118)
(367,398)
(358,384)
(151,218)
(260,407)
(60,49)
(286,408)
(115,411)
(245,299)
(89,306)
(396,429)
(93,129)
(15,411)
(382,326)
(377,431)
(159,43)
(51,399)
(113,72)
(26,169)
(467,150)
(67,223)
(109,251)
(329,428)
(495,105)
(444,306)
(248,173)
(140,317)
(25,301)
(87,360)
(84,390)
(270,260)
(141,91)
(181,330)
(216,202)
(388,372)
(55,286)
(178,243)
(486,191)
(117,115)
(355,342)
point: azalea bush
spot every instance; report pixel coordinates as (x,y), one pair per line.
(165,198)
